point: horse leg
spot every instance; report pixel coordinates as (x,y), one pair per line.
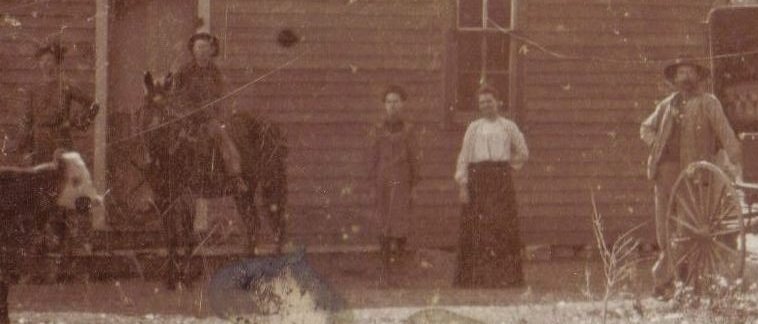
(245,202)
(187,232)
(4,287)
(170,235)
(275,217)
(7,264)
(274,200)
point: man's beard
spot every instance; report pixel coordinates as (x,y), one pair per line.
(687,85)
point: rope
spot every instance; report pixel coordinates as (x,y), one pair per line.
(212,103)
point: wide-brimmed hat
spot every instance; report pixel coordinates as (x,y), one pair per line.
(204,36)
(684,60)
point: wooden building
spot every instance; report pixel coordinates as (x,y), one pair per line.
(579,76)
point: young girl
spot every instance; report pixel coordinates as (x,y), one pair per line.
(394,169)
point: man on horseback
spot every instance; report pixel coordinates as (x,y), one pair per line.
(199,85)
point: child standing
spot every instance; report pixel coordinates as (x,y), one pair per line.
(394,171)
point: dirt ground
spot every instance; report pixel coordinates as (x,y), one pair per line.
(425,281)
(561,290)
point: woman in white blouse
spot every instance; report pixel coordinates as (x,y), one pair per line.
(490,244)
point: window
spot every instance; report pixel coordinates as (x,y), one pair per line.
(482,49)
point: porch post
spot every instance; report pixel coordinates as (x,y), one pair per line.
(515,67)
(201,204)
(204,13)
(101,96)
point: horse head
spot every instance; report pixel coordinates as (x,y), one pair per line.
(156,117)
(155,100)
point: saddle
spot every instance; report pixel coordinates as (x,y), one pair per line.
(193,149)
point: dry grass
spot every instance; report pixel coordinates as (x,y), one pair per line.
(620,260)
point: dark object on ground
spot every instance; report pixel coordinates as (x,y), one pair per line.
(272,285)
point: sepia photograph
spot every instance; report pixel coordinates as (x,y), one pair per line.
(378,161)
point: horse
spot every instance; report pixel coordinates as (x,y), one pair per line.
(181,165)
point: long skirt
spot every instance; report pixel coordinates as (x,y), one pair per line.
(490,244)
(394,206)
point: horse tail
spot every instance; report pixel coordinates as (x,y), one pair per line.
(274,157)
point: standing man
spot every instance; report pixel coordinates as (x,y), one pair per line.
(687,126)
(51,114)
(55,109)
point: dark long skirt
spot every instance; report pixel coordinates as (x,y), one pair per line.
(490,244)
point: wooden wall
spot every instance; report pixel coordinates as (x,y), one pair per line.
(582,115)
(329,96)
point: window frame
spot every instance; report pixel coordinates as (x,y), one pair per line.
(456,115)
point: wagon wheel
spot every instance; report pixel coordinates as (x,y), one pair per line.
(705,228)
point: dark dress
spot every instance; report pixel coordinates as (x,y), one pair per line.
(395,159)
(490,244)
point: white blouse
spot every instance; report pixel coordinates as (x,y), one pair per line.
(491,140)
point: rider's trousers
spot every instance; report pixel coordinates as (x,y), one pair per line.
(229,152)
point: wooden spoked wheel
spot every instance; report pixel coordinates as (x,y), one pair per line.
(705,228)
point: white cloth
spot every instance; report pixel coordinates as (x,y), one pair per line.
(491,140)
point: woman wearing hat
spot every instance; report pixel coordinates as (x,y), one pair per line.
(490,243)
(51,109)
(199,83)
(687,126)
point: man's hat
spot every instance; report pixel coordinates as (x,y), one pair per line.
(670,70)
(204,36)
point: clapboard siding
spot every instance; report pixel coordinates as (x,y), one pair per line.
(590,103)
(581,110)
(356,35)
(607,24)
(328,97)
(24,26)
(632,10)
